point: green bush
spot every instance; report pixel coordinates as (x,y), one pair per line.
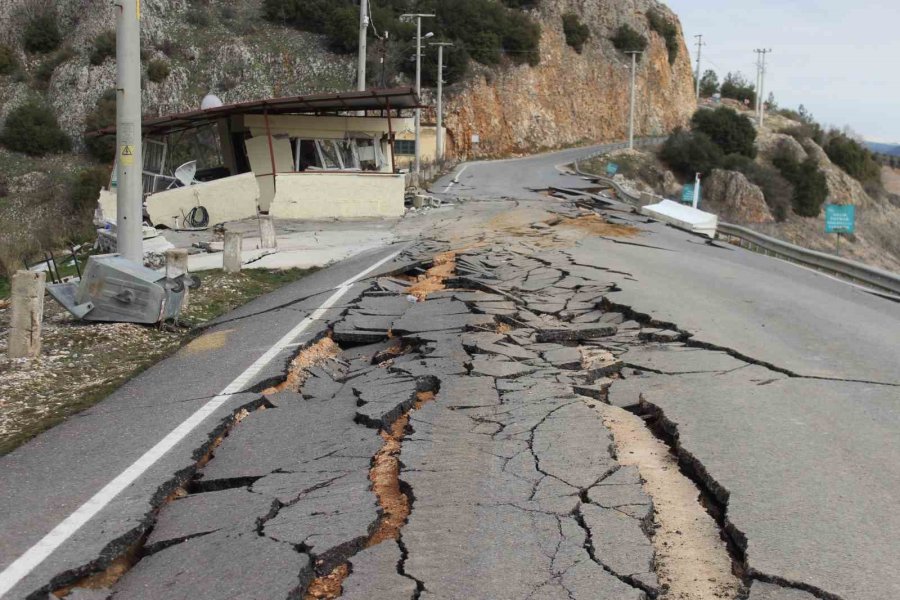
(664,27)
(104,47)
(629,40)
(456,63)
(33,129)
(46,69)
(577,33)
(709,84)
(103,115)
(688,153)
(158,71)
(41,34)
(85,189)
(198,16)
(853,158)
(738,88)
(777,191)
(9,63)
(732,132)
(810,185)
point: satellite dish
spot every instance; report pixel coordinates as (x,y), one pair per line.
(210,101)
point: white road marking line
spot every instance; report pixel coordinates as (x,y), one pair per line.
(38,553)
(456,178)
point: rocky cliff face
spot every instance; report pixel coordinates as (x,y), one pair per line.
(573,98)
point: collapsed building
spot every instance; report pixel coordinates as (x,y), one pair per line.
(321,156)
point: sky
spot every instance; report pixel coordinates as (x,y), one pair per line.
(839,58)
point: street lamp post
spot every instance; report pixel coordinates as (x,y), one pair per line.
(418,18)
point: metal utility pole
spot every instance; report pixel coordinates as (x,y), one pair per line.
(363,41)
(700,45)
(440,99)
(418,18)
(129,183)
(634,55)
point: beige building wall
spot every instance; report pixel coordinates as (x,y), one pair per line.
(320,195)
(428,141)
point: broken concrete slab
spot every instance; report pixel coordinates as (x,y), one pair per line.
(760,590)
(564,357)
(247,566)
(199,514)
(574,332)
(598,390)
(374,575)
(331,522)
(618,541)
(677,359)
(499,367)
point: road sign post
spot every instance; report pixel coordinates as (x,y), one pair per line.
(840,219)
(612,169)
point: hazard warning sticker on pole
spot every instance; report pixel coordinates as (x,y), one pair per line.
(126,157)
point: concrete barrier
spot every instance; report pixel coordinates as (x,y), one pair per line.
(231,255)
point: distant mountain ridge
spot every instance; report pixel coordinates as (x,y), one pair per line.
(879,148)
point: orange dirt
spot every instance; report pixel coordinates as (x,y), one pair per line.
(298,371)
(434,278)
(109,576)
(597,225)
(328,587)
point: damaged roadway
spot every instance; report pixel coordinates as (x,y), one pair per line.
(500,479)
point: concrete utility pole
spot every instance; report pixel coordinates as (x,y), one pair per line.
(363,41)
(440,99)
(634,55)
(760,83)
(700,45)
(418,18)
(130,186)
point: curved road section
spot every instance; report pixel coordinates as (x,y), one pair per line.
(454,444)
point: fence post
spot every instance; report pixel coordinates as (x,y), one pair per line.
(231,260)
(177,265)
(27,314)
(268,238)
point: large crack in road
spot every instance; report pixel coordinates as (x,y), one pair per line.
(461,433)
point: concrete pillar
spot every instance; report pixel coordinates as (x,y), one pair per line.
(177,265)
(231,261)
(27,314)
(267,236)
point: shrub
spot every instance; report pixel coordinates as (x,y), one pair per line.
(689,153)
(103,115)
(629,40)
(709,84)
(85,188)
(810,185)
(198,16)
(33,129)
(738,88)
(41,33)
(853,158)
(664,27)
(806,131)
(577,33)
(104,47)
(342,29)
(777,191)
(732,132)
(456,62)
(46,69)
(158,71)
(9,63)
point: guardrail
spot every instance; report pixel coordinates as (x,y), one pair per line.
(753,240)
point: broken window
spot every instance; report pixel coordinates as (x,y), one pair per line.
(405,147)
(351,154)
(347,153)
(329,153)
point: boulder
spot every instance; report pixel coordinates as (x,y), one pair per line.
(731,196)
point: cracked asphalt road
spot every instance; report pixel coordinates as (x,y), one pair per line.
(507,481)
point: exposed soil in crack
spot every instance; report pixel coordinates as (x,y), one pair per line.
(298,370)
(433,280)
(693,562)
(395,504)
(328,586)
(597,225)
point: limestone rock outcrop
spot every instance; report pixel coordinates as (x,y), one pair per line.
(731,196)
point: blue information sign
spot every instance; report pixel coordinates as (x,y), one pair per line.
(612,169)
(687,195)
(840,218)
